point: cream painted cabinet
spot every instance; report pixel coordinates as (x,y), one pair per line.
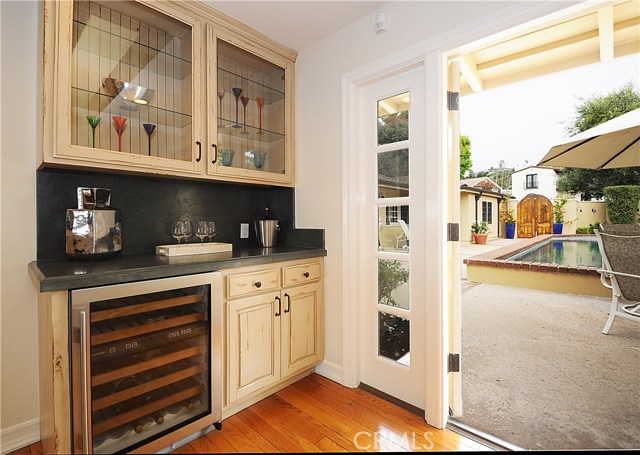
(272,335)
(250,99)
(166,88)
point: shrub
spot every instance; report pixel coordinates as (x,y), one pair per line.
(622,203)
(480,228)
(558,209)
(589,229)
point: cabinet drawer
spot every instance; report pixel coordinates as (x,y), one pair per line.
(252,283)
(301,274)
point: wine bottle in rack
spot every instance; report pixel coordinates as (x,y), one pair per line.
(126,383)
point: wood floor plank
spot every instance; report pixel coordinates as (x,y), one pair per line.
(315,415)
(250,434)
(242,442)
(447,439)
(283,442)
(366,429)
(387,429)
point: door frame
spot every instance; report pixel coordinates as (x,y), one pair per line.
(510,22)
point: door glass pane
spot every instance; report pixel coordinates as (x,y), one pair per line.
(393,173)
(393,228)
(131,80)
(393,337)
(393,283)
(393,119)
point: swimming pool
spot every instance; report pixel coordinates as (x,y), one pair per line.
(572,251)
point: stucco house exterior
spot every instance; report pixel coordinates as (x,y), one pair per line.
(534,179)
(480,200)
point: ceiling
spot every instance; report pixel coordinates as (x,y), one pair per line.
(296,24)
(609,32)
(605,32)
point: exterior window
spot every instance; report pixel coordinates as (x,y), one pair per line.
(487,211)
(532,181)
(394,213)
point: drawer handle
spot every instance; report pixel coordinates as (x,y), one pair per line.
(305,274)
(257,284)
(288,307)
(279,306)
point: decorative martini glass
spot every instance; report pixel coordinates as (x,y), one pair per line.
(149,128)
(236,91)
(245,101)
(93,120)
(260,103)
(220,96)
(119,124)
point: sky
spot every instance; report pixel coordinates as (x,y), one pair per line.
(521,121)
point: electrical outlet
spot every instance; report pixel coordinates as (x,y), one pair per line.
(244,230)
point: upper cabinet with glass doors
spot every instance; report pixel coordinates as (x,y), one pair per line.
(250,98)
(125,79)
(165,87)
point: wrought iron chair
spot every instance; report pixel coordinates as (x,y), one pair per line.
(620,272)
(621,229)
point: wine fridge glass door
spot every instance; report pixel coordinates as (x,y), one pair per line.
(146,361)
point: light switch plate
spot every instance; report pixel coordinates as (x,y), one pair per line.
(244,230)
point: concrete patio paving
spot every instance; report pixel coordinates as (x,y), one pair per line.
(538,372)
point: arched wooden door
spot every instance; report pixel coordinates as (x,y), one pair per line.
(535,216)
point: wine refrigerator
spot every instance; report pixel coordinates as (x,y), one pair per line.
(146,364)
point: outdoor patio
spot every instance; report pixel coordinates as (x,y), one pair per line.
(539,374)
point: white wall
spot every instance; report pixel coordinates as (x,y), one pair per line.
(319,72)
(20,82)
(547,179)
(318,168)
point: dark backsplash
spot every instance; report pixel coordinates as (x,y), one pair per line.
(149,205)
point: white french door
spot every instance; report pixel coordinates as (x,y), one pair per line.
(391,220)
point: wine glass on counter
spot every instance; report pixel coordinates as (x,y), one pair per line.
(211,229)
(202,230)
(181,230)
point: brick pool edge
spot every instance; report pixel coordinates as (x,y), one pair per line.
(493,268)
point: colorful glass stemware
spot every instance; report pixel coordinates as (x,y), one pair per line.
(93,120)
(245,101)
(149,128)
(220,96)
(119,124)
(260,103)
(236,91)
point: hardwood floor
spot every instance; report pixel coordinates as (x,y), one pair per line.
(319,415)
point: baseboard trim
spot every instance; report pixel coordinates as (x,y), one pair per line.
(19,436)
(330,371)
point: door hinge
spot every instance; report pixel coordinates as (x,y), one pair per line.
(454,363)
(453,232)
(453,101)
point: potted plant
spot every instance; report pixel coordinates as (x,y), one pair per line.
(558,215)
(480,232)
(509,219)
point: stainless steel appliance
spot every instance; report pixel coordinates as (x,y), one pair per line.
(94,229)
(146,363)
(267,232)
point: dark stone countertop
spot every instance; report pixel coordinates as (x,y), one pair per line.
(57,275)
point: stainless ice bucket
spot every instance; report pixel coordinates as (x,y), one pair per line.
(267,232)
(94,229)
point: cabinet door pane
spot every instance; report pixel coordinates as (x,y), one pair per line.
(251,111)
(131,80)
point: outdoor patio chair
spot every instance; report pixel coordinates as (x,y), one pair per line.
(622,229)
(405,237)
(621,268)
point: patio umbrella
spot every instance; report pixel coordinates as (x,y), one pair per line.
(611,144)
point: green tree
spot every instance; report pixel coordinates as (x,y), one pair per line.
(591,112)
(465,155)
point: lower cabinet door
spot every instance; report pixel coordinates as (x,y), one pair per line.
(302,334)
(253,344)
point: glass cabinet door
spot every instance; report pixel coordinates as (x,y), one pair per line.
(251,112)
(131,85)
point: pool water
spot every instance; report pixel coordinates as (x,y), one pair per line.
(570,252)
